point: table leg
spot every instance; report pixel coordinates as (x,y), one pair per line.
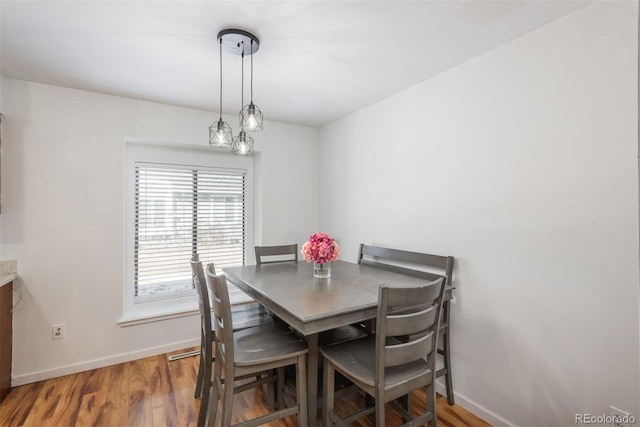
(312,379)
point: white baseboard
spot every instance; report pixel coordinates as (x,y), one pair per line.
(33,377)
(477,410)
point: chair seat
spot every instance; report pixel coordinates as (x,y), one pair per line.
(249,315)
(267,343)
(358,359)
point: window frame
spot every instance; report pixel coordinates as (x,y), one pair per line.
(182,155)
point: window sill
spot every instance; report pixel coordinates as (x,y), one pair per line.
(148,316)
(158,314)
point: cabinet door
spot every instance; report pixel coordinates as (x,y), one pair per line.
(6,336)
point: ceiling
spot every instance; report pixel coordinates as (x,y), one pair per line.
(318,60)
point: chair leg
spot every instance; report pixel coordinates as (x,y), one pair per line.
(271,393)
(204,405)
(379,412)
(198,391)
(200,368)
(301,389)
(328,392)
(205,385)
(446,346)
(406,403)
(215,395)
(227,400)
(431,403)
(279,388)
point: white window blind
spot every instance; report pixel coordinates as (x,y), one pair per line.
(180,211)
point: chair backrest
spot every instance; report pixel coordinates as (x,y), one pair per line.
(407,326)
(276,254)
(200,284)
(425,266)
(221,317)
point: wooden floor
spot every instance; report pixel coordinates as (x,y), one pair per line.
(156,392)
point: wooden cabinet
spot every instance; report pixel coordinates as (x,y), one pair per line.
(6,337)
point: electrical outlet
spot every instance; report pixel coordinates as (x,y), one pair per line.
(620,418)
(57,331)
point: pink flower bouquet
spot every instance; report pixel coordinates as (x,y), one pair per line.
(320,249)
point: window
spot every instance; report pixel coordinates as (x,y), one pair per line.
(181,200)
(179,211)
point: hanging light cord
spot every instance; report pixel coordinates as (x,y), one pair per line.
(220,78)
(252,71)
(242,83)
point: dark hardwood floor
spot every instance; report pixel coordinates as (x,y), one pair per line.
(155,392)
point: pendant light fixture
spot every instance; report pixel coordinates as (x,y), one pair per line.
(220,134)
(250,115)
(243,143)
(241,43)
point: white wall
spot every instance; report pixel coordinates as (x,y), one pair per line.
(63,217)
(521,163)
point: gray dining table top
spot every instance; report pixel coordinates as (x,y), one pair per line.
(313,305)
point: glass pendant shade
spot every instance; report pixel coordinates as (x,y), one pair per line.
(220,134)
(251,118)
(242,144)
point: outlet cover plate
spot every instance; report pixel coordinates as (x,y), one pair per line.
(57,331)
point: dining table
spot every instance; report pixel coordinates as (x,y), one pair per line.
(312,305)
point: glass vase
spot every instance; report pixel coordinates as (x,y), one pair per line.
(322,271)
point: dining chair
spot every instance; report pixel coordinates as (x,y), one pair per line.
(271,254)
(244,316)
(250,352)
(429,267)
(385,366)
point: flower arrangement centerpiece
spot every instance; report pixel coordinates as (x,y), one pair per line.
(321,249)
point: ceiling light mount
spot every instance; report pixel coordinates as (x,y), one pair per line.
(238,41)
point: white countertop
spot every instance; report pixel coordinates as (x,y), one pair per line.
(6,278)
